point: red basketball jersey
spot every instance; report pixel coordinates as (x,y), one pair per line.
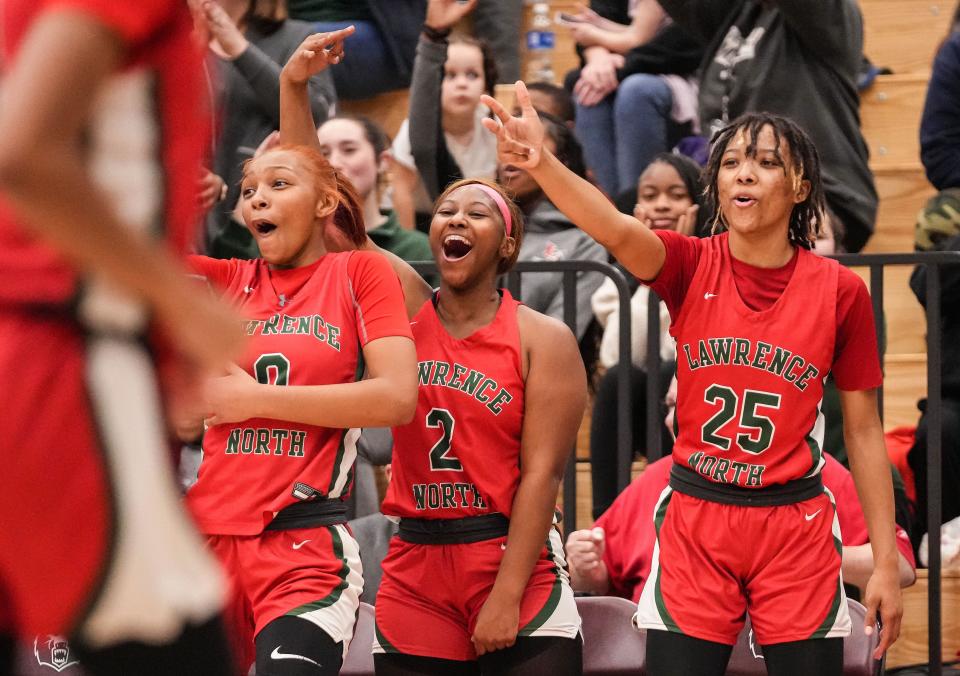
(750,384)
(313,336)
(145,137)
(460,456)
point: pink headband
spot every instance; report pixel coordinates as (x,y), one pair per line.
(501,204)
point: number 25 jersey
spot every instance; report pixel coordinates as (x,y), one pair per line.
(460,456)
(750,383)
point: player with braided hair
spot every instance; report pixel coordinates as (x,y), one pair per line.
(807,217)
(760,321)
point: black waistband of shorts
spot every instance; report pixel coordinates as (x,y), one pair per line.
(685,480)
(310,514)
(454,531)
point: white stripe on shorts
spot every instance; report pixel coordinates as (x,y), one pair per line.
(160,576)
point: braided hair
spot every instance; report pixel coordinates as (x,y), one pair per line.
(806,219)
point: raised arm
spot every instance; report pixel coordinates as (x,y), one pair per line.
(314,55)
(863,434)
(47,97)
(831,29)
(553,407)
(435,164)
(259,69)
(520,142)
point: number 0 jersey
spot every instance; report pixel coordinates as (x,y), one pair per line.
(460,456)
(750,383)
(307,327)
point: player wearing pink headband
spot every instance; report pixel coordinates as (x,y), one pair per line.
(475,581)
(501,205)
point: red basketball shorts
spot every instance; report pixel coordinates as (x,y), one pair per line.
(95,541)
(312,573)
(430,596)
(714,562)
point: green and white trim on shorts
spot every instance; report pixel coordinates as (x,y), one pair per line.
(559,615)
(652,612)
(837,621)
(336,613)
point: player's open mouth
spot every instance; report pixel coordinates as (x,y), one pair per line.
(264,227)
(455,247)
(744,201)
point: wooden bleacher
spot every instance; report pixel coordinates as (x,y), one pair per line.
(903,35)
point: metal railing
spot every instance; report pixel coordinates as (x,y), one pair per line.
(933,262)
(654,428)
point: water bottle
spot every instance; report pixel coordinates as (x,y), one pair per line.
(540,44)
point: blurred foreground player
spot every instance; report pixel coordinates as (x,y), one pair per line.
(100,155)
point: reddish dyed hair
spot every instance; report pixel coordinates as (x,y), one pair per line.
(348,216)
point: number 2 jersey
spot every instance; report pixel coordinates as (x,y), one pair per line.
(306,326)
(750,379)
(460,456)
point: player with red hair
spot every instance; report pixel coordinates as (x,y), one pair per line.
(283,424)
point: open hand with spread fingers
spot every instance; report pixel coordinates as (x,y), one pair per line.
(519,139)
(315,54)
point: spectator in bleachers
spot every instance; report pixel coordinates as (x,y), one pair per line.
(382,48)
(798,58)
(636,94)
(940,124)
(613,557)
(669,195)
(549,235)
(250,40)
(938,229)
(443,139)
(358,149)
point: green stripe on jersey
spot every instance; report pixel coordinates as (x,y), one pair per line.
(341,447)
